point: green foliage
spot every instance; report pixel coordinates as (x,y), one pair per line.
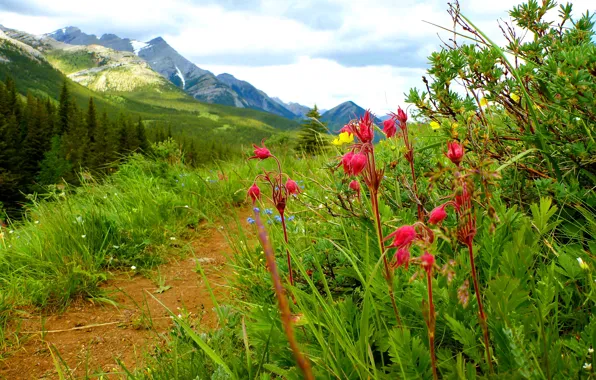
(313,134)
(534,112)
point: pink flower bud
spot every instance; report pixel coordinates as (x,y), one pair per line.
(292,187)
(455,152)
(389,128)
(345,162)
(355,186)
(402,116)
(254,192)
(358,163)
(261,152)
(427,261)
(402,257)
(437,215)
(403,236)
(346,129)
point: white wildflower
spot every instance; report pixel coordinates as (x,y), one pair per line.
(590,350)
(133,267)
(587,366)
(37,222)
(186,206)
(582,264)
(172,238)
(83,236)
(11,232)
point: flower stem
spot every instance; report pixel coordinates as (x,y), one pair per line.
(283,225)
(388,273)
(431,323)
(482,316)
(284,306)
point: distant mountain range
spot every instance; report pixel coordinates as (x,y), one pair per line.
(201,84)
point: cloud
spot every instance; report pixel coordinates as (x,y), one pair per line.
(327,83)
(324,51)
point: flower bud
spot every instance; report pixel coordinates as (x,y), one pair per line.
(389,128)
(403,236)
(358,163)
(254,192)
(455,152)
(345,162)
(427,261)
(437,215)
(292,187)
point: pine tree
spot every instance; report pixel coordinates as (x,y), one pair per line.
(54,166)
(64,111)
(142,137)
(312,138)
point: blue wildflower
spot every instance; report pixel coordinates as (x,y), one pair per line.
(256,209)
(269,221)
(278,218)
(250,220)
(268,211)
(291,218)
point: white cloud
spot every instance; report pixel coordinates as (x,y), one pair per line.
(297,30)
(328,83)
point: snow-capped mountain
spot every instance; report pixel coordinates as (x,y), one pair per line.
(201,84)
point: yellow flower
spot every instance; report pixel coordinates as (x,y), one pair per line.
(344,138)
(483,102)
(515,97)
(454,125)
(435,125)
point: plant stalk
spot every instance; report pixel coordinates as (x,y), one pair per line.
(431,323)
(482,316)
(284,307)
(388,273)
(283,224)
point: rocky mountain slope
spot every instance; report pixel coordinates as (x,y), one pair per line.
(338,116)
(200,84)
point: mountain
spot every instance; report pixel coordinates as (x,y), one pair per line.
(255,98)
(121,82)
(200,84)
(340,115)
(297,109)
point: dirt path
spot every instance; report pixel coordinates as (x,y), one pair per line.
(90,337)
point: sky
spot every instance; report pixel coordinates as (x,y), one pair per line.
(324,52)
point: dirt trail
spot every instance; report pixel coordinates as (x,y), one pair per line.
(90,337)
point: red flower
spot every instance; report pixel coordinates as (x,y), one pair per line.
(355,186)
(427,261)
(402,117)
(254,192)
(292,187)
(437,215)
(345,162)
(403,236)
(358,163)
(455,152)
(365,131)
(402,257)
(261,152)
(389,128)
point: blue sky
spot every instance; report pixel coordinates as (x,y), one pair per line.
(324,52)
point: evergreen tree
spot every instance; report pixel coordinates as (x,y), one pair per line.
(312,137)
(142,137)
(54,166)
(64,111)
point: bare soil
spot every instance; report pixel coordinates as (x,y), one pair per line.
(91,336)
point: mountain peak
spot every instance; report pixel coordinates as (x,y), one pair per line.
(157,40)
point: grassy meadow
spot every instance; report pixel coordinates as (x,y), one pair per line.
(460,246)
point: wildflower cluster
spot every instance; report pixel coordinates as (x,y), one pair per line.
(282,188)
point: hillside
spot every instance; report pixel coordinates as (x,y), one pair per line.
(200,84)
(124,82)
